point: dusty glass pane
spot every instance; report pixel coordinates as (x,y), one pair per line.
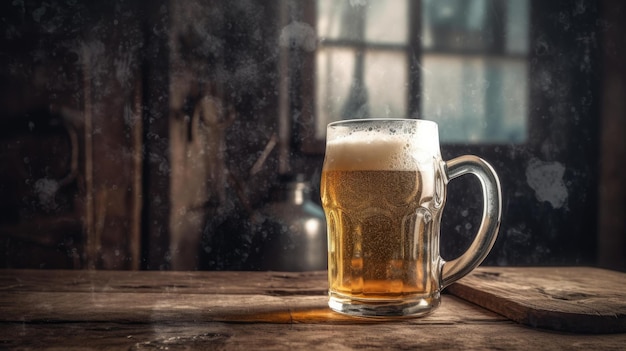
(473,24)
(517,26)
(456,24)
(344,91)
(340,20)
(514,96)
(387,21)
(380,21)
(335,68)
(476,99)
(386,83)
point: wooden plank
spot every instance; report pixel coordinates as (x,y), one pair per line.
(37,296)
(55,307)
(268,283)
(105,310)
(573,299)
(245,336)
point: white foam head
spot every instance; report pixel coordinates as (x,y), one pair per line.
(381,145)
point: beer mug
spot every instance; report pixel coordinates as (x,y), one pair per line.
(383,191)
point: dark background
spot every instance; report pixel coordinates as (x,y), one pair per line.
(104,163)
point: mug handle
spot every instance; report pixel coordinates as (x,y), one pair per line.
(490,222)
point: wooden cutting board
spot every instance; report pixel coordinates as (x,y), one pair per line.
(572,299)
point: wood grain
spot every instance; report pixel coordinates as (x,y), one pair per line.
(253,336)
(573,299)
(109,310)
(148,297)
(268,283)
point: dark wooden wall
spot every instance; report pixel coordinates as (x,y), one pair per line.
(612,183)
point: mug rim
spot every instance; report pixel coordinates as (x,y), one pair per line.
(367,120)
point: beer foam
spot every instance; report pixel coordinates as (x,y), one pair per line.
(372,151)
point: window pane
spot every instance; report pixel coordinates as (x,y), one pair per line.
(335,67)
(514,96)
(340,20)
(475,25)
(517,26)
(382,87)
(379,21)
(456,25)
(476,99)
(387,21)
(386,82)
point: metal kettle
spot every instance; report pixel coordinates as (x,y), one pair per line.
(292,230)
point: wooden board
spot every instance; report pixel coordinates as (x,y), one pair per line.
(109,310)
(41,296)
(572,299)
(182,282)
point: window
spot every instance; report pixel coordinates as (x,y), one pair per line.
(461,63)
(513,81)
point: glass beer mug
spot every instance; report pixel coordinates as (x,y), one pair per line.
(383,190)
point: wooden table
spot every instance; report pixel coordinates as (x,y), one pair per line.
(138,310)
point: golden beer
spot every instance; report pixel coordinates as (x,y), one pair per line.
(378,233)
(380,203)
